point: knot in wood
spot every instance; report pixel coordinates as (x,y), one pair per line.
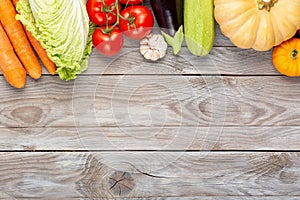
(270,164)
(28,114)
(121,183)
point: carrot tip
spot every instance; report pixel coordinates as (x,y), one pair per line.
(17,82)
(35,75)
(19,86)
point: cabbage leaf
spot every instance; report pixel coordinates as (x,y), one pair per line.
(63,29)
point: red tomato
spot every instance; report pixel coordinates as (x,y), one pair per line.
(99,10)
(110,43)
(131,2)
(136,21)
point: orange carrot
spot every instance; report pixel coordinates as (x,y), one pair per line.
(10,65)
(17,36)
(50,66)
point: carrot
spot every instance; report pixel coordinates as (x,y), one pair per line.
(50,66)
(17,36)
(10,65)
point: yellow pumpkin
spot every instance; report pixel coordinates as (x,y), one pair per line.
(286,59)
(258,24)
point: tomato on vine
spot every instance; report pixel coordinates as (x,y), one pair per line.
(108,40)
(102,12)
(136,21)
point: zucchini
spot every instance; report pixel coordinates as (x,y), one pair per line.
(199,26)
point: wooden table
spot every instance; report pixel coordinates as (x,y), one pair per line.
(225,126)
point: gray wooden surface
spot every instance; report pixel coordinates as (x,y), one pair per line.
(225,126)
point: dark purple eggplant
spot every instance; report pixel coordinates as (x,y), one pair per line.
(179,8)
(168,14)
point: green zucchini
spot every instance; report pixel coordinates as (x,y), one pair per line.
(199,26)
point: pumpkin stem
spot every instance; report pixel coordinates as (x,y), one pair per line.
(266,4)
(294,54)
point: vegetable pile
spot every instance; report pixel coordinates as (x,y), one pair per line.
(62,27)
(136,21)
(16,52)
(258,24)
(192,20)
(261,25)
(57,32)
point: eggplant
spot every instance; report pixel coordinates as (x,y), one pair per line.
(180,10)
(168,15)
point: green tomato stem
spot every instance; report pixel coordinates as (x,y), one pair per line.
(130,19)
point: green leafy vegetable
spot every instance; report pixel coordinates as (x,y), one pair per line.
(176,41)
(63,29)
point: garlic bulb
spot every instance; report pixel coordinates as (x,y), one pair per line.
(153,47)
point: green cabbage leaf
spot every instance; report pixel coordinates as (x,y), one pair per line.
(63,29)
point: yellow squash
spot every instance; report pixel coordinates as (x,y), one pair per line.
(258,24)
(286,57)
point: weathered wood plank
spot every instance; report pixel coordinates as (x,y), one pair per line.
(215,198)
(138,174)
(180,198)
(219,198)
(187,101)
(233,198)
(46,102)
(153,101)
(221,60)
(150,138)
(194,198)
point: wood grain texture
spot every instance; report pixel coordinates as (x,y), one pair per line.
(219,198)
(146,125)
(232,198)
(153,101)
(150,138)
(198,197)
(38,105)
(221,60)
(138,174)
(187,101)
(214,198)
